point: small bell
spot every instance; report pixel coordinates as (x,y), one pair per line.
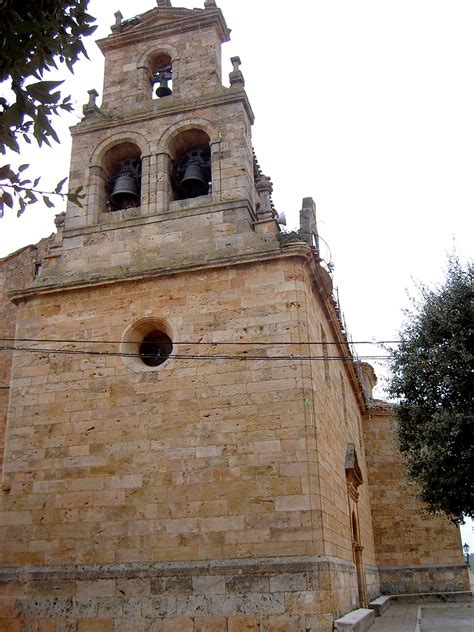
(163,76)
(163,90)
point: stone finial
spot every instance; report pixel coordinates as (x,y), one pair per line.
(369,379)
(59,219)
(308,226)
(117,27)
(163,3)
(210,4)
(90,107)
(265,189)
(236,77)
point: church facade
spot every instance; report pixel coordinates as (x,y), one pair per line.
(188,442)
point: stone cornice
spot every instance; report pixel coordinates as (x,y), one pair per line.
(191,21)
(380,408)
(98,280)
(170,107)
(125,224)
(257,565)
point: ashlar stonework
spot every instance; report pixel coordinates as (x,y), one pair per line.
(245,479)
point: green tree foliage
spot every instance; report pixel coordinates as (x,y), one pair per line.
(432,376)
(34,37)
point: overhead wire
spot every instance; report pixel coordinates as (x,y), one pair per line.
(201,342)
(190,356)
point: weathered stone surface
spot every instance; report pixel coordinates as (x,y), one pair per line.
(380,605)
(210,492)
(357,621)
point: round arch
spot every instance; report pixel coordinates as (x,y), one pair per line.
(154,51)
(146,68)
(192,151)
(172,132)
(119,138)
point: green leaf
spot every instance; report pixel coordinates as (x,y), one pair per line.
(11,142)
(41,91)
(6,172)
(7,199)
(60,185)
(47,201)
(13,116)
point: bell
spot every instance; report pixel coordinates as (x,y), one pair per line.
(194,182)
(125,192)
(126,189)
(163,90)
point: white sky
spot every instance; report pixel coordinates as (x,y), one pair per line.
(365,105)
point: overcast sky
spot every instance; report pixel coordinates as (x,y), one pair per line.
(365,105)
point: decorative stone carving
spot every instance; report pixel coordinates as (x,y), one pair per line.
(117,27)
(90,107)
(236,77)
(265,189)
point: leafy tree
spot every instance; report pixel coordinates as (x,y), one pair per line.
(432,376)
(34,37)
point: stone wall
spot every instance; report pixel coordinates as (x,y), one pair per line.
(194,460)
(16,271)
(415,552)
(287,594)
(111,463)
(424,578)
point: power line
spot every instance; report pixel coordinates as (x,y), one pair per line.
(187,356)
(200,342)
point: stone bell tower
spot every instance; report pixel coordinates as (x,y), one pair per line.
(184,422)
(167,157)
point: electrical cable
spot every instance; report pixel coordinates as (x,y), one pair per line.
(189,356)
(200,342)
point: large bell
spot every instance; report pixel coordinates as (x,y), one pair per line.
(193,173)
(194,181)
(126,187)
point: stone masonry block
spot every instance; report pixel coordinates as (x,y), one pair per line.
(172,586)
(284,623)
(97,625)
(179,624)
(248,584)
(96,588)
(209,585)
(210,624)
(243,624)
(194,606)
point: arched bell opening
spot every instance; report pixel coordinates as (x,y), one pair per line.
(122,167)
(191,173)
(161,76)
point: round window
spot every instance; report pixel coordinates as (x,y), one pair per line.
(147,344)
(156,347)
